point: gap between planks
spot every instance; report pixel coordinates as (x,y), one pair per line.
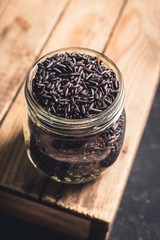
(115,24)
(34,60)
(19,24)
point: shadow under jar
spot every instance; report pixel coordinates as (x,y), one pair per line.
(74,150)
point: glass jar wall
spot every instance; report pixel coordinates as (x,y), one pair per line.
(74,150)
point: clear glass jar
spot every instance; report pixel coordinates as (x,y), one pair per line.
(74,150)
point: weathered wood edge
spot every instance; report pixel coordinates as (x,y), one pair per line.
(42,215)
(38,213)
(98,230)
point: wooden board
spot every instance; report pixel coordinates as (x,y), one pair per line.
(45,216)
(3,5)
(23,32)
(22,166)
(128,32)
(86,24)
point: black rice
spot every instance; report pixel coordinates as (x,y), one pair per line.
(78,80)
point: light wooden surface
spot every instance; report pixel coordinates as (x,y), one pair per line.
(126,31)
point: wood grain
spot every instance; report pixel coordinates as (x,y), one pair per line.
(16,172)
(3,5)
(85,23)
(133,51)
(23,32)
(130,35)
(45,216)
(14,163)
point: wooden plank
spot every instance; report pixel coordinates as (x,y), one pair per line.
(45,216)
(15,167)
(16,172)
(13,159)
(134,48)
(86,23)
(3,5)
(23,32)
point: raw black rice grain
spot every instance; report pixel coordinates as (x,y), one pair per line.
(74,85)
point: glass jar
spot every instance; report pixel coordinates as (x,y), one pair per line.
(74,150)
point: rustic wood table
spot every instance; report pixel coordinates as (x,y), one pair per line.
(126,31)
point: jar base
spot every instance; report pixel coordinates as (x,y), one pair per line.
(66,180)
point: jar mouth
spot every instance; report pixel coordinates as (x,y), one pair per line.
(108,116)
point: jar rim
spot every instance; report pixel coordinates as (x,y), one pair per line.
(74,123)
